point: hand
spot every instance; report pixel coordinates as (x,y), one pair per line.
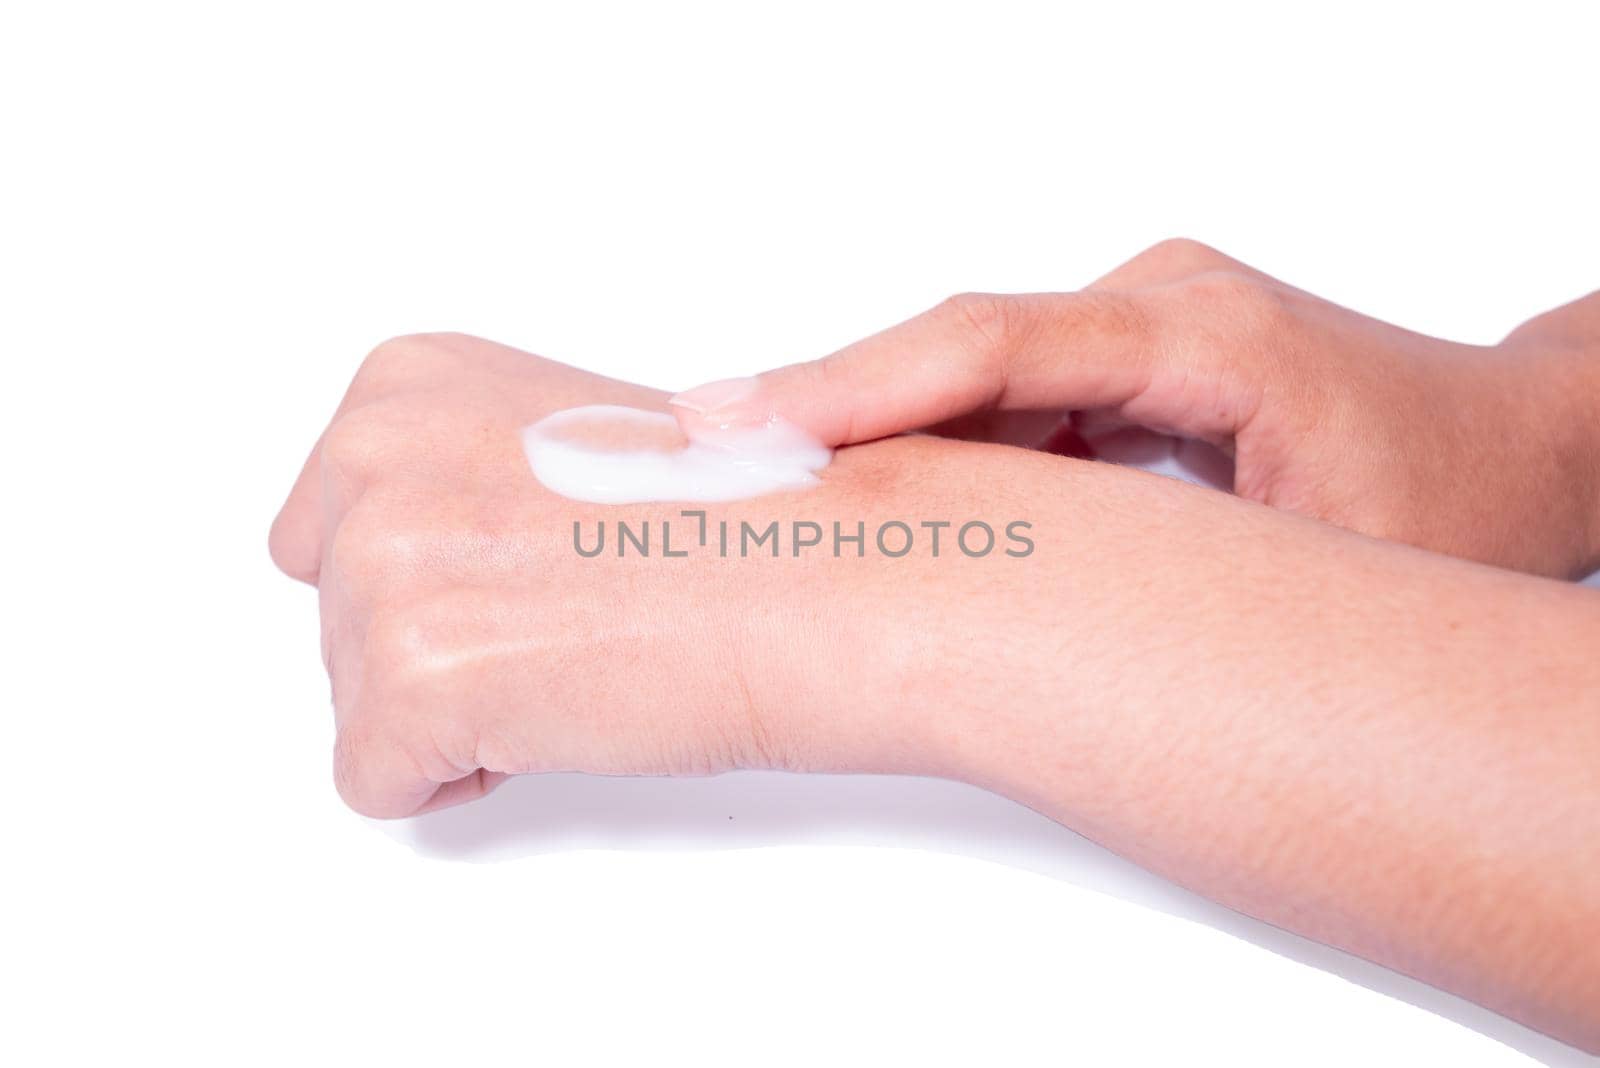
(464,637)
(1490,453)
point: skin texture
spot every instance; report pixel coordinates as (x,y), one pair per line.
(1386,749)
(1490,453)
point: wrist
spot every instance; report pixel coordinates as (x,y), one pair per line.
(1553,361)
(1589,419)
(866,673)
(809,623)
(1573,372)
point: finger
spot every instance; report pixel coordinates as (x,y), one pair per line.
(972,353)
(378,777)
(295,541)
(329,483)
(295,538)
(477,784)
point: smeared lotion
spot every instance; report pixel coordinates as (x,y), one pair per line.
(609,454)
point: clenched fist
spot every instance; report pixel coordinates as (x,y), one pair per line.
(467,640)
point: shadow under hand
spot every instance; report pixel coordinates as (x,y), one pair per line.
(540,814)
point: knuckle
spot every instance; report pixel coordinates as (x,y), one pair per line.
(988,327)
(408,655)
(408,355)
(410,347)
(1224,288)
(1180,254)
(374,547)
(1245,306)
(396,647)
(989,319)
(386,734)
(359,439)
(409,685)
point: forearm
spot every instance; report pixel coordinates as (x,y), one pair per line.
(1387,750)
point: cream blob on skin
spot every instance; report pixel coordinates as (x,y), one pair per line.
(608,454)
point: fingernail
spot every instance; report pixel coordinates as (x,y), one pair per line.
(713,397)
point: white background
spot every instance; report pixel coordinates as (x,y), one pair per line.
(210,212)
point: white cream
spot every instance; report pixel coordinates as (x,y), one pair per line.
(735,464)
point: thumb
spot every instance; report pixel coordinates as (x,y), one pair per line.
(971,353)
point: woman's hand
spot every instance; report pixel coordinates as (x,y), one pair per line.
(1488,453)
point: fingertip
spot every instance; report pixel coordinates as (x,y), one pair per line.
(723,412)
(714,399)
(791,396)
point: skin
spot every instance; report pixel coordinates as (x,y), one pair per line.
(1389,750)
